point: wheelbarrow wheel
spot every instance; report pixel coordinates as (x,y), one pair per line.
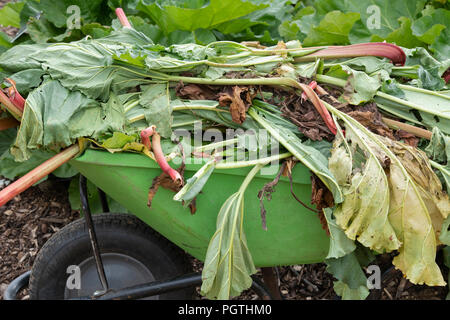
(132,254)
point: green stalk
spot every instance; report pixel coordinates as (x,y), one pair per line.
(248,163)
(131,105)
(178,108)
(216,145)
(421,90)
(342,83)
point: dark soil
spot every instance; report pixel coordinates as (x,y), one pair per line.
(30,219)
(26,223)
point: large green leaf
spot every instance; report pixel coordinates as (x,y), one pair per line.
(386,12)
(170,17)
(58,11)
(18,58)
(54,117)
(333,29)
(86,66)
(428,27)
(158,110)
(10,14)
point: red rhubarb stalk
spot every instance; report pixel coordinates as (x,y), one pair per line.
(155,145)
(14,95)
(313,85)
(12,109)
(145,137)
(377,49)
(123,18)
(446,75)
(37,174)
(323,111)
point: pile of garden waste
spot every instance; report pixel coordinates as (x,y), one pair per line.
(371,121)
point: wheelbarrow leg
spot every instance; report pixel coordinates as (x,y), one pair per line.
(103,200)
(271,281)
(93,237)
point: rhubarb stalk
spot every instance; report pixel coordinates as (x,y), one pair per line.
(12,109)
(161,159)
(14,95)
(123,18)
(377,49)
(37,174)
(155,145)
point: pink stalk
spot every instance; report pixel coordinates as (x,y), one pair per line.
(155,145)
(38,173)
(123,18)
(145,136)
(313,85)
(377,49)
(446,75)
(323,111)
(161,159)
(7,123)
(12,109)
(14,95)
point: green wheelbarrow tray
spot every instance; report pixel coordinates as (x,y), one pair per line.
(293,236)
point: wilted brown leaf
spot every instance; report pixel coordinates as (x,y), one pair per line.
(239,99)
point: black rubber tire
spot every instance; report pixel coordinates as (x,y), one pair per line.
(116,233)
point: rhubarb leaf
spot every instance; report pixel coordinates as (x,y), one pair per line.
(228,263)
(10,14)
(170,18)
(408,212)
(157,108)
(418,167)
(340,244)
(58,13)
(363,214)
(54,117)
(433,107)
(346,293)
(333,29)
(428,27)
(379,18)
(86,66)
(348,270)
(439,150)
(196,183)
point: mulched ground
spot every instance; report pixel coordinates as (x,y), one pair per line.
(30,219)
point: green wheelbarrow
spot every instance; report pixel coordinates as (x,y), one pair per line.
(142,254)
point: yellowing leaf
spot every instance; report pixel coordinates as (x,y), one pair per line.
(428,184)
(364,213)
(408,206)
